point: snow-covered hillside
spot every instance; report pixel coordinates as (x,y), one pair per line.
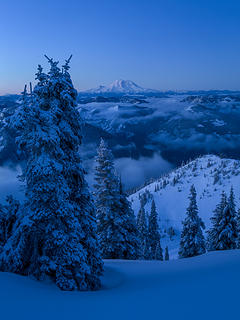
(210,175)
(204,287)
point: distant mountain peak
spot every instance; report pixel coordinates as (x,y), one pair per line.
(125,86)
(120,87)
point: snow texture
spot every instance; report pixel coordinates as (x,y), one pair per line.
(203,287)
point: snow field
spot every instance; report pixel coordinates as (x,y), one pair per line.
(203,287)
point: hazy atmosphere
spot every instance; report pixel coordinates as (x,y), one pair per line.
(165,45)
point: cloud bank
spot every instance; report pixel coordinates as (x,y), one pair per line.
(9,183)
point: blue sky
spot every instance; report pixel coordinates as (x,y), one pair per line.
(171,44)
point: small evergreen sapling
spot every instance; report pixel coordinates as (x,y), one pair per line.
(166,255)
(159,252)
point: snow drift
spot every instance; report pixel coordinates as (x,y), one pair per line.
(203,287)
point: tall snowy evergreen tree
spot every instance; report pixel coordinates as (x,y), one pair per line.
(68,120)
(223,234)
(56,230)
(116,222)
(192,241)
(153,231)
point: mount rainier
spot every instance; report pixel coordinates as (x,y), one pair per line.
(119,87)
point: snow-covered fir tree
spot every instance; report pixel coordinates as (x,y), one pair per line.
(142,223)
(143,232)
(153,231)
(192,241)
(70,131)
(3,229)
(232,204)
(166,254)
(55,234)
(8,217)
(238,229)
(223,233)
(132,242)
(116,221)
(146,251)
(158,252)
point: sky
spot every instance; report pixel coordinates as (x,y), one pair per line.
(170,44)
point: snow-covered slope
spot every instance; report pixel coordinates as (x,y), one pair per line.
(204,287)
(119,87)
(210,175)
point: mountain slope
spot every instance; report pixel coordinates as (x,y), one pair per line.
(210,175)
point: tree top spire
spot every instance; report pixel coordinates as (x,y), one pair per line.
(66,66)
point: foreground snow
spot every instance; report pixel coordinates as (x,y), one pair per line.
(204,287)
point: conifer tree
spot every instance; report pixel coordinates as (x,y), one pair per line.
(143,232)
(153,231)
(56,229)
(159,252)
(166,255)
(231,202)
(107,203)
(8,217)
(146,250)
(238,229)
(142,224)
(2,228)
(192,241)
(131,250)
(223,233)
(116,221)
(69,123)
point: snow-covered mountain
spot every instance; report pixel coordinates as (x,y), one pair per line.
(210,176)
(119,87)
